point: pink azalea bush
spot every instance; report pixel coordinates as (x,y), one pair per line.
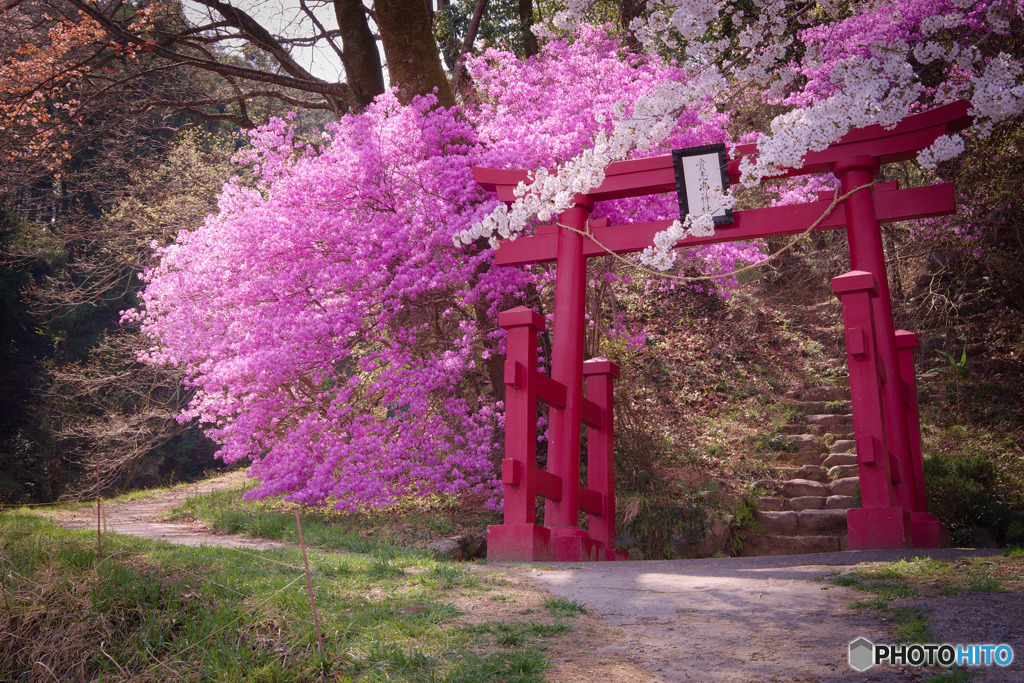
(331,332)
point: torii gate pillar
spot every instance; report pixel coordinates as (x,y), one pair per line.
(907,524)
(569,543)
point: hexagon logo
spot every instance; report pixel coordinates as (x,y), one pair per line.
(862,654)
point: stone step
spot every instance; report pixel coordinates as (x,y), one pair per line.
(831,420)
(796,488)
(772,544)
(793,429)
(772,504)
(833,432)
(820,394)
(801,459)
(813,472)
(802,443)
(804,428)
(780,504)
(840,502)
(842,471)
(822,522)
(807,503)
(843,446)
(849,486)
(779,523)
(825,407)
(840,459)
(806,522)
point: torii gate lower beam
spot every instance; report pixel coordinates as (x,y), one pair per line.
(896,515)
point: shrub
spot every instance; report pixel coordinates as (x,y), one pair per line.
(976,492)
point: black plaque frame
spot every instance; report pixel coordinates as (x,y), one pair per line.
(677,162)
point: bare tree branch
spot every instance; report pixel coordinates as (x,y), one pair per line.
(299,79)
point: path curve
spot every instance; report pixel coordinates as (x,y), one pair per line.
(144,517)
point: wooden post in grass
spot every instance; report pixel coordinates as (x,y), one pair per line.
(99,513)
(309,584)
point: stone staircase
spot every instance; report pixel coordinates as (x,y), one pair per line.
(813,479)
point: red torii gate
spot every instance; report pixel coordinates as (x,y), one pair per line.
(880,359)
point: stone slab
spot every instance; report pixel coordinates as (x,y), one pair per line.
(840,459)
(849,486)
(822,522)
(807,503)
(842,471)
(844,446)
(840,502)
(782,523)
(796,488)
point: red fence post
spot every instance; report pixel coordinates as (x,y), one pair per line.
(600,375)
(880,523)
(926,530)
(520,538)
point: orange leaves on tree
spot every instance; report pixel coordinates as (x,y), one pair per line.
(39,86)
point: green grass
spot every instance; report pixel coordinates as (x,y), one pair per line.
(383,532)
(911,625)
(893,581)
(564,607)
(147,610)
(518,634)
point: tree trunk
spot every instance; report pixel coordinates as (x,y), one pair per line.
(530,47)
(363,69)
(411,52)
(630,10)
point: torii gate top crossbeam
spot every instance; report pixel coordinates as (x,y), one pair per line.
(656,175)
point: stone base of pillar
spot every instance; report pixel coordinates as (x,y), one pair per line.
(518,543)
(575,545)
(879,528)
(927,531)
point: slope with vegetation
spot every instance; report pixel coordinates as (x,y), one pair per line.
(145,610)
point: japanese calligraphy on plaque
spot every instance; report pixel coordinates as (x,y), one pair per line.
(702,175)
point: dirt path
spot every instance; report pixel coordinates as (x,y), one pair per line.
(729,619)
(769,618)
(143,517)
(576,658)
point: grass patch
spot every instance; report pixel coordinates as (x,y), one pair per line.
(873,603)
(146,610)
(518,634)
(911,625)
(385,532)
(927,577)
(564,607)
(922,576)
